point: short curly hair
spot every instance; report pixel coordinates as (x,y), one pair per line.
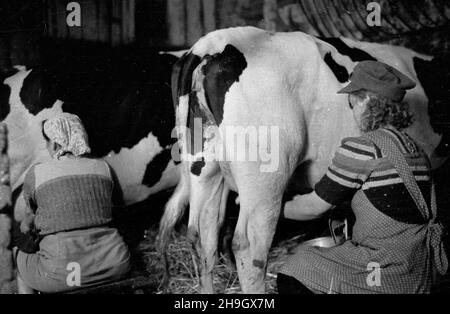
(381,111)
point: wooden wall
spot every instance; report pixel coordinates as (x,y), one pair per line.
(170,24)
(188,20)
(20,28)
(421,24)
(107,21)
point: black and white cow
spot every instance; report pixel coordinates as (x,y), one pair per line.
(435,75)
(127,113)
(252,79)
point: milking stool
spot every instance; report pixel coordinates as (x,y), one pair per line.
(137,282)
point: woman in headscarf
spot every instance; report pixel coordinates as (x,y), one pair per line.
(70,201)
(397,240)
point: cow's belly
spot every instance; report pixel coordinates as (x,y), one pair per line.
(136,193)
(130,166)
(130,163)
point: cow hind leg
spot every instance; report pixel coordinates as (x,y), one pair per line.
(258,217)
(207,207)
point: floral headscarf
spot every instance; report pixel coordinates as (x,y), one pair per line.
(67,130)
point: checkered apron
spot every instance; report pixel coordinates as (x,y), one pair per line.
(384,255)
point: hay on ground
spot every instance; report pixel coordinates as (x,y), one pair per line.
(184,276)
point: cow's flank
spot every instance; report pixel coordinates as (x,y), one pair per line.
(341,49)
(5,91)
(37,92)
(435,76)
(212,80)
(339,71)
(221,71)
(182,76)
(356,54)
(155,169)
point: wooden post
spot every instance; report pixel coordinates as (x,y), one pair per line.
(89,20)
(209,15)
(228,16)
(116,23)
(176,17)
(128,21)
(6,260)
(103,17)
(270,15)
(18,49)
(4,53)
(76,32)
(194,21)
(61,19)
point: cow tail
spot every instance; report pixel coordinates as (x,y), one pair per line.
(174,211)
(176,206)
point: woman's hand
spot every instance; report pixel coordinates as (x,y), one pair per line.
(306,207)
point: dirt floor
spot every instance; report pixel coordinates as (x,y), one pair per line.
(144,219)
(184,277)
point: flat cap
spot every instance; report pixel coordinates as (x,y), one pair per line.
(379,78)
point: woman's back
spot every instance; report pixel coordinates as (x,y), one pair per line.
(69,201)
(69,194)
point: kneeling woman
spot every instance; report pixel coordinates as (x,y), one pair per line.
(70,199)
(396,238)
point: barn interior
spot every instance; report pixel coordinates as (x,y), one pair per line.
(123,38)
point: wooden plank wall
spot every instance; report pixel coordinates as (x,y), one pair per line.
(107,21)
(188,20)
(20,27)
(427,32)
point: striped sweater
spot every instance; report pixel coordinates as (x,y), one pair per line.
(359,164)
(69,194)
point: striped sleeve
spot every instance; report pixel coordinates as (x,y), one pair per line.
(349,170)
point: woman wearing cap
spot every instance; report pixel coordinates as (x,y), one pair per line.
(396,238)
(70,199)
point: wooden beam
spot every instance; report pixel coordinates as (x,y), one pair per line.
(53,19)
(270,15)
(116,22)
(89,20)
(176,19)
(4,53)
(194,21)
(18,53)
(61,16)
(103,17)
(128,21)
(209,15)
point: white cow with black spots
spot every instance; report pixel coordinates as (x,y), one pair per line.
(129,121)
(247,77)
